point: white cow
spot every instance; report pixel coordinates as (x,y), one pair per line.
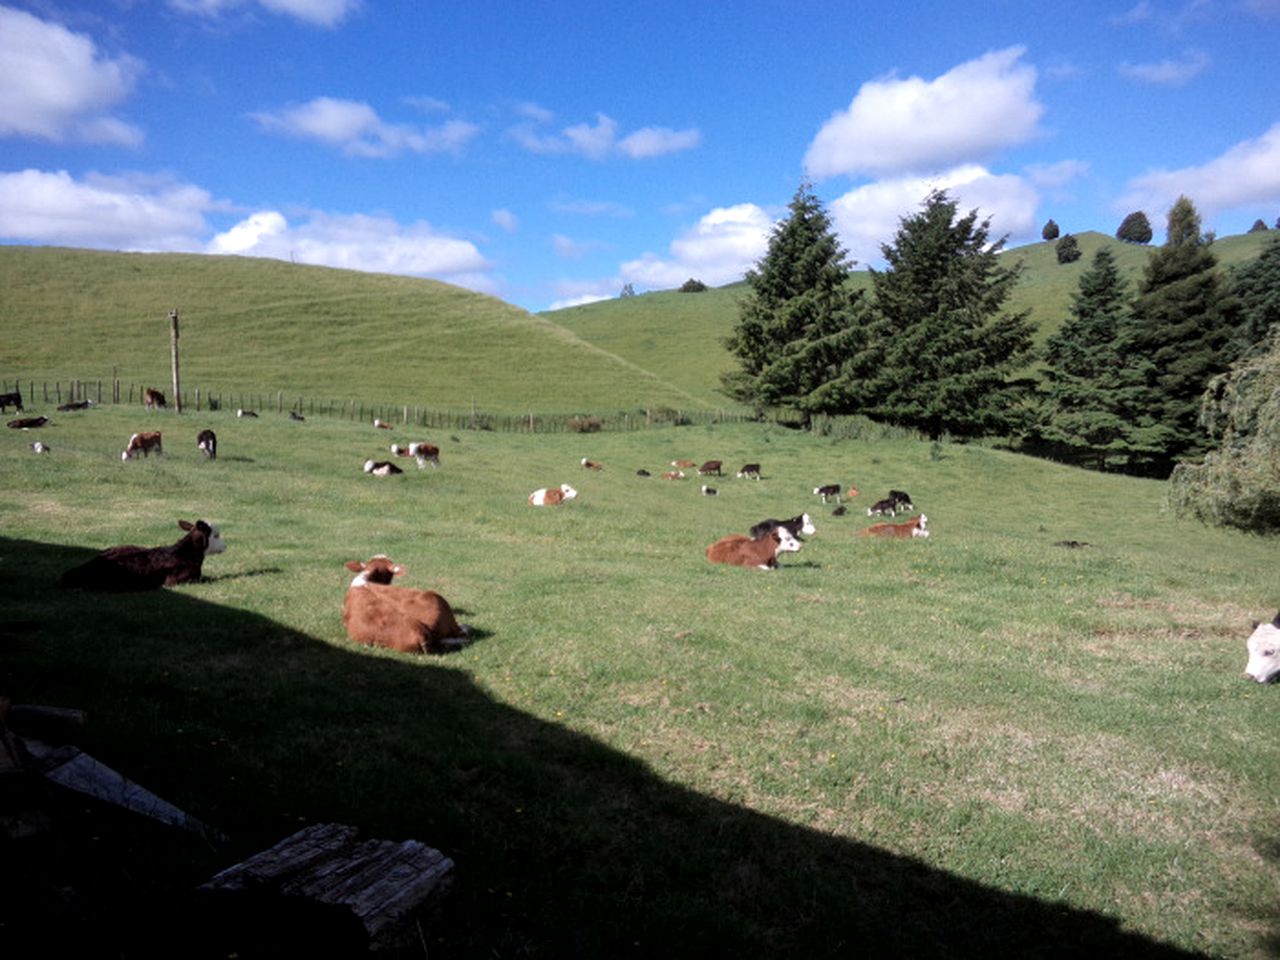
(1264,652)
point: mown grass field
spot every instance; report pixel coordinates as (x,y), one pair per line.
(981,744)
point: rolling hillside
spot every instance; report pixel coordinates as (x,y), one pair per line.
(324,334)
(265,325)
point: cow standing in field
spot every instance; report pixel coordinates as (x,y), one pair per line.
(711,468)
(207,442)
(152,399)
(149,568)
(749,471)
(377,613)
(13,399)
(143,443)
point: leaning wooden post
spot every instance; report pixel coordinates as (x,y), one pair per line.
(173,340)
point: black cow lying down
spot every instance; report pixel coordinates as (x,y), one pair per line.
(148,568)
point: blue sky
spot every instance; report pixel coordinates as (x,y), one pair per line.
(550,152)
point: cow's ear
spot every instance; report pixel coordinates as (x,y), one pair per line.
(185,525)
(397,569)
(355,566)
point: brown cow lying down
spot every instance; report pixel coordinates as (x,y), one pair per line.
(148,568)
(762,552)
(915,527)
(378,614)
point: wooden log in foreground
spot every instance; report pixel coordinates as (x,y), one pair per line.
(386,885)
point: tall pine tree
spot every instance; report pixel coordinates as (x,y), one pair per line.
(940,355)
(1257,286)
(794,316)
(1183,332)
(1087,409)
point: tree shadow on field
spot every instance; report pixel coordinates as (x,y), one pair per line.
(564,847)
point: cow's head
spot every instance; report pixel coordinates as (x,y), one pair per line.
(786,542)
(806,525)
(921,528)
(568,491)
(379,569)
(212,535)
(1264,652)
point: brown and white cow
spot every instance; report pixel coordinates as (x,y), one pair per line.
(683,464)
(762,552)
(143,443)
(424,453)
(207,443)
(152,398)
(1264,652)
(27,423)
(711,468)
(383,425)
(917,526)
(550,496)
(149,568)
(749,471)
(377,613)
(592,464)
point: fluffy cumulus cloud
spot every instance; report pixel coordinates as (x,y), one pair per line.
(323,13)
(377,244)
(356,129)
(903,126)
(869,216)
(598,140)
(57,85)
(1246,175)
(122,213)
(718,249)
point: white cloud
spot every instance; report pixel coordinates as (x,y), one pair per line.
(1053,175)
(898,127)
(567,248)
(356,129)
(322,13)
(1167,73)
(598,140)
(1248,174)
(507,220)
(870,215)
(56,85)
(114,212)
(577,293)
(377,244)
(720,248)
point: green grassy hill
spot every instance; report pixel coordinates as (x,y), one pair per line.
(680,335)
(265,325)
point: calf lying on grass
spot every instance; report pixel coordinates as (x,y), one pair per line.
(148,568)
(762,552)
(378,614)
(915,527)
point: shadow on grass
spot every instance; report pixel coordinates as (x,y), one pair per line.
(564,847)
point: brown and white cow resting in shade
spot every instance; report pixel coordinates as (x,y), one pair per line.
(1264,652)
(378,614)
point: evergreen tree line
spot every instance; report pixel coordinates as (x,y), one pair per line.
(931,346)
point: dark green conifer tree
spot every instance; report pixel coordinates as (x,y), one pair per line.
(1257,286)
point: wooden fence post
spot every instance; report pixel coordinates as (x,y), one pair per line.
(173,350)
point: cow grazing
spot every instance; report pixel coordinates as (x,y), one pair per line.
(378,614)
(383,425)
(903,501)
(883,508)
(28,423)
(749,471)
(591,464)
(709,491)
(917,526)
(1264,652)
(75,405)
(13,399)
(152,399)
(761,552)
(550,496)
(796,526)
(39,447)
(826,491)
(247,413)
(143,443)
(381,468)
(149,568)
(711,468)
(207,443)
(424,453)
(683,464)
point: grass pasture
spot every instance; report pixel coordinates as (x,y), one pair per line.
(980,744)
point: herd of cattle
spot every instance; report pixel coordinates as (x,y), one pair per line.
(377,612)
